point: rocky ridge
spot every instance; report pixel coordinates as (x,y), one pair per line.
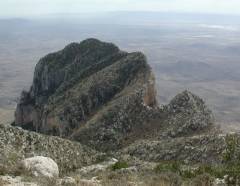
(79,91)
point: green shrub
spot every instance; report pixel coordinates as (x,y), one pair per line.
(119,165)
(168,167)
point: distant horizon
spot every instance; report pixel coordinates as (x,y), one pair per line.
(29,8)
(112,12)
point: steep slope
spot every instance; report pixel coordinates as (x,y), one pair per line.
(17,144)
(95,93)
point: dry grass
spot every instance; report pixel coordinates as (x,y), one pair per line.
(202,180)
(166,179)
(115,179)
(2,182)
(151,179)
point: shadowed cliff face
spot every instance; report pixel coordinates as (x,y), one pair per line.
(95,93)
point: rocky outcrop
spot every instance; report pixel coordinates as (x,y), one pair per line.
(88,92)
(187,115)
(96,94)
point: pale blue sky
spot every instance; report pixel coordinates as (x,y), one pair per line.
(42,7)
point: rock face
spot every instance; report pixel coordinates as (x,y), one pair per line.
(41,166)
(87,92)
(187,114)
(96,94)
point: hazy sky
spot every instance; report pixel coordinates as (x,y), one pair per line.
(42,7)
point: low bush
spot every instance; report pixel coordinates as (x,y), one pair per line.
(119,165)
(168,167)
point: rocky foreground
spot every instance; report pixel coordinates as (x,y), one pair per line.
(92,112)
(29,158)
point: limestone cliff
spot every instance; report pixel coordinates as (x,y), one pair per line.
(88,92)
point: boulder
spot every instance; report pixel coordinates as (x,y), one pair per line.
(40,166)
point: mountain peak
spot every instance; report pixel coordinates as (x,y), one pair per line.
(189,114)
(103,97)
(186,100)
(83,88)
(93,43)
